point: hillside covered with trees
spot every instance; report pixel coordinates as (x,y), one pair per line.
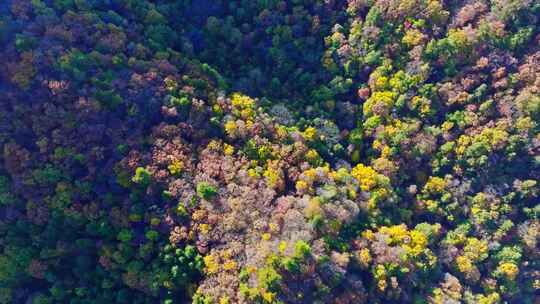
(267,151)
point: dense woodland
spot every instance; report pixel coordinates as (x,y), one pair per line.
(265,151)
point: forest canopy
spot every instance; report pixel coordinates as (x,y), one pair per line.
(267,151)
